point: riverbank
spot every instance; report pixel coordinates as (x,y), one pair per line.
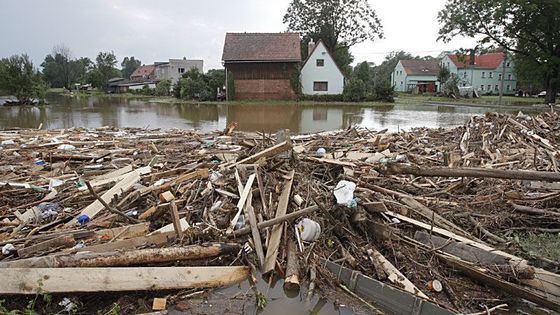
(400,99)
(438,215)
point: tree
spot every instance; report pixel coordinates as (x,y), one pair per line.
(530,29)
(340,24)
(354,91)
(59,72)
(216,80)
(443,75)
(364,72)
(163,88)
(18,77)
(129,65)
(103,70)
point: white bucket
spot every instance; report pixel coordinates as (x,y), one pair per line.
(309,230)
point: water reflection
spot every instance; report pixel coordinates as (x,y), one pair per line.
(97,111)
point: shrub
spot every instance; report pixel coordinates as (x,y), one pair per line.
(163,88)
(355,91)
(323,98)
(384,91)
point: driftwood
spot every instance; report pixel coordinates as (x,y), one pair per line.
(395,168)
(60,280)
(126,258)
(292,267)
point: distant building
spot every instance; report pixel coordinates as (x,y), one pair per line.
(416,76)
(320,74)
(262,64)
(174,69)
(485,73)
(143,73)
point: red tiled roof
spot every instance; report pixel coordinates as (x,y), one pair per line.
(247,47)
(143,71)
(420,67)
(487,61)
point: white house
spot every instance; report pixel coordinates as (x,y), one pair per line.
(320,74)
(417,76)
(174,69)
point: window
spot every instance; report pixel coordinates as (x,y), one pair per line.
(320,86)
(490,74)
(320,62)
(465,74)
(499,77)
(482,87)
(496,88)
(401,82)
(507,88)
(483,74)
(489,87)
(181,70)
(508,64)
(509,76)
(464,84)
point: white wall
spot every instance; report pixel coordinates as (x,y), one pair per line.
(398,78)
(329,73)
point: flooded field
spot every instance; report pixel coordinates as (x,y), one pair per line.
(97,111)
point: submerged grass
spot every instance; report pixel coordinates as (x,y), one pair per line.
(543,244)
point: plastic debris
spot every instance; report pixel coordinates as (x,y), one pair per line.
(66,147)
(435,285)
(344,192)
(8,249)
(8,142)
(40,162)
(321,152)
(309,230)
(53,182)
(68,305)
(49,209)
(83,219)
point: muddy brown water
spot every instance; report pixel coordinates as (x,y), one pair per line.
(97,111)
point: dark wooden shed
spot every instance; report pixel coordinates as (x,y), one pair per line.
(262,64)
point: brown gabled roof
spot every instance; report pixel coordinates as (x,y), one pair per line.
(420,67)
(486,61)
(143,71)
(259,47)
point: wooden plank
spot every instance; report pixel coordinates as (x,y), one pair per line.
(256,235)
(241,202)
(331,161)
(61,241)
(115,173)
(176,220)
(95,207)
(390,299)
(275,221)
(124,232)
(61,280)
(171,227)
(395,276)
(115,176)
(276,234)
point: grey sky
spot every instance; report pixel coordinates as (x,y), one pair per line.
(159,30)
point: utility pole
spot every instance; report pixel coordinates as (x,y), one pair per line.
(503,78)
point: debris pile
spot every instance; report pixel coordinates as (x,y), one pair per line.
(435,214)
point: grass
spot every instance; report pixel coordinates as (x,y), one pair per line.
(404,98)
(544,244)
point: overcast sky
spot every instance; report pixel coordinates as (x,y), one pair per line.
(159,30)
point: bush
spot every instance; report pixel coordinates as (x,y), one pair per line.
(355,91)
(323,98)
(384,91)
(163,88)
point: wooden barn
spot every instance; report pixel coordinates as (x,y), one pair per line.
(262,65)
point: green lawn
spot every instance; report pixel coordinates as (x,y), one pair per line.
(404,98)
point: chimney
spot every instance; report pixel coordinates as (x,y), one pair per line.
(310,47)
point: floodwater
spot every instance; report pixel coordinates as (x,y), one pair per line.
(98,111)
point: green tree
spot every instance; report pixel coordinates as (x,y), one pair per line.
(443,75)
(364,72)
(193,86)
(129,65)
(18,77)
(216,80)
(163,88)
(354,91)
(103,70)
(530,29)
(340,24)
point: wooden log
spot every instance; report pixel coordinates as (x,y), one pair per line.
(156,240)
(521,292)
(276,234)
(395,168)
(61,241)
(476,255)
(61,280)
(280,147)
(126,258)
(292,267)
